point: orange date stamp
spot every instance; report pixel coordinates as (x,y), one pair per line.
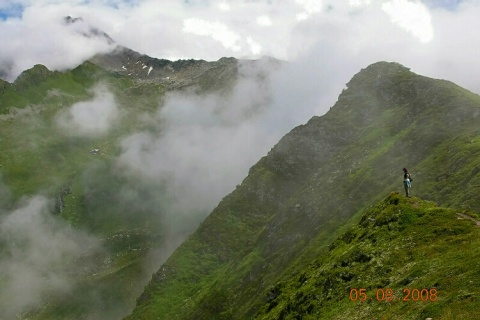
(388,295)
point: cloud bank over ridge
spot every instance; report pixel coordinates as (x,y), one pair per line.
(435,38)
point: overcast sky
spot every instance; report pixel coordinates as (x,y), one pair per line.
(437,38)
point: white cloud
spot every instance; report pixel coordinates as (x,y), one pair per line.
(42,36)
(90,118)
(264,20)
(359,3)
(217,30)
(414,17)
(427,39)
(38,256)
(310,6)
(255,47)
(212,29)
(302,16)
(224,6)
(201,139)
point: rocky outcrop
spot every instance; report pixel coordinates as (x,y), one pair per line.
(173,74)
(60,198)
(91,32)
(200,75)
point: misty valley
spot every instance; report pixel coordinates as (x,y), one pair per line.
(141,188)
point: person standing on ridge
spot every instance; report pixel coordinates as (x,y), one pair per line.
(407,179)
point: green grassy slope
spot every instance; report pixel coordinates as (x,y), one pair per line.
(35,155)
(313,182)
(86,189)
(406,259)
(37,158)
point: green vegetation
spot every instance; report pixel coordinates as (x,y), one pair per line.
(313,186)
(38,158)
(80,175)
(36,155)
(401,247)
(309,223)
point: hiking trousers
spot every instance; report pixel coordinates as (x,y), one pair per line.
(407,188)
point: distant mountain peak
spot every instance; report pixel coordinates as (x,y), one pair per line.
(376,71)
(69,19)
(88,31)
(172,74)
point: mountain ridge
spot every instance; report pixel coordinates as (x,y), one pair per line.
(312,181)
(199,76)
(78,176)
(172,74)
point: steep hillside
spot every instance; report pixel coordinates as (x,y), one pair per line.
(405,259)
(316,178)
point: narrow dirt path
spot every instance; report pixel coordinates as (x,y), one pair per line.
(463,215)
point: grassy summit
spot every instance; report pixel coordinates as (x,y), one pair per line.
(411,259)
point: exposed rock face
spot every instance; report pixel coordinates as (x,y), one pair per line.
(173,74)
(60,199)
(91,32)
(202,75)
